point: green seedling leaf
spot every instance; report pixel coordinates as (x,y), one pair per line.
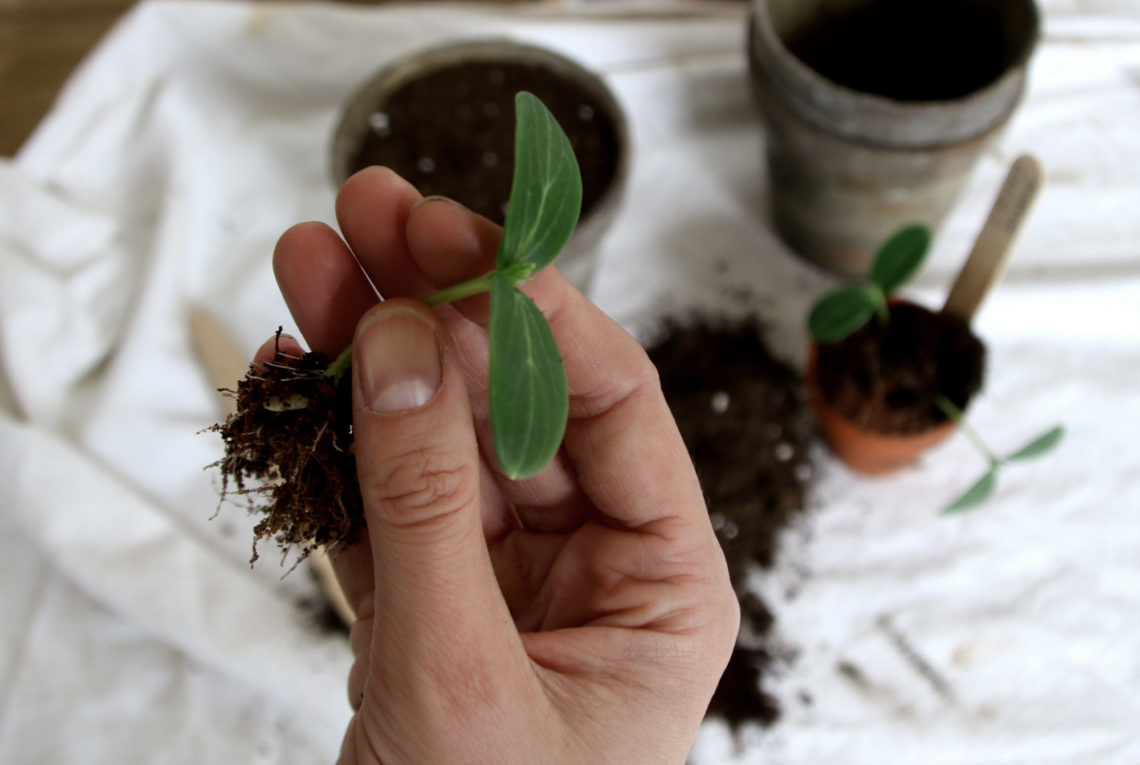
(840,313)
(528,390)
(975,495)
(900,257)
(1038,446)
(546,193)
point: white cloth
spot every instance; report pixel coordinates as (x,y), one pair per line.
(134,629)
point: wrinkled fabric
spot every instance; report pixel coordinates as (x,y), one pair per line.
(197,132)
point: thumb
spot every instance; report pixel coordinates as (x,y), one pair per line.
(418,464)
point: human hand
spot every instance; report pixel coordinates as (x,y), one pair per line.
(582,616)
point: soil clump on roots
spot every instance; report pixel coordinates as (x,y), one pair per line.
(288,453)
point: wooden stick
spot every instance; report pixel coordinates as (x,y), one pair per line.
(226,366)
(988,260)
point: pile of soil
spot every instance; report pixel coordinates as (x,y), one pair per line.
(449,132)
(288,451)
(885,377)
(745,422)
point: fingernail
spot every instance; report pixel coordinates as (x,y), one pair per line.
(398,360)
(435,198)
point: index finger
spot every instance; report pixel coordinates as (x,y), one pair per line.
(621,437)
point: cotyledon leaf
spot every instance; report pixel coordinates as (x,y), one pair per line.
(975,495)
(900,257)
(840,313)
(546,191)
(1038,446)
(528,390)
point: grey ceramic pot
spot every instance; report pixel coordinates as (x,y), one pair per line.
(848,166)
(577,261)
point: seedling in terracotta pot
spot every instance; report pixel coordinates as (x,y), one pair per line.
(843,317)
(878,363)
(292,428)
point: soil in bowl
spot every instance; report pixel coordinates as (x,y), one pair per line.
(885,378)
(444,132)
(744,420)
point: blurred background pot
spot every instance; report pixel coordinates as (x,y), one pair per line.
(444,119)
(866,451)
(876,111)
(874,393)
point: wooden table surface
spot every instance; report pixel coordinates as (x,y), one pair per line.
(41,42)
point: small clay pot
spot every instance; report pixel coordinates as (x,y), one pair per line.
(865,451)
(874,452)
(443,117)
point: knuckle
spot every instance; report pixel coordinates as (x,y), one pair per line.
(417,487)
(730,622)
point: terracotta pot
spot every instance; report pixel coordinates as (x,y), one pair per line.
(862,450)
(851,158)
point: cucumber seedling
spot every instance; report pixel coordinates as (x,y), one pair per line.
(299,454)
(528,392)
(981,490)
(842,312)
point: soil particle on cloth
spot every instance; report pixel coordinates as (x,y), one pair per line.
(885,378)
(744,420)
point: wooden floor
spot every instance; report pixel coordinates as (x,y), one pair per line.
(41,42)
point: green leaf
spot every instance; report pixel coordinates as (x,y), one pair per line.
(840,313)
(975,495)
(1038,446)
(528,391)
(900,257)
(546,193)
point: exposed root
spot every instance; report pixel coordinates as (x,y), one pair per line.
(293,465)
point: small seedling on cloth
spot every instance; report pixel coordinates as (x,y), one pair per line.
(981,490)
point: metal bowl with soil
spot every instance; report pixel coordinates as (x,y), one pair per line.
(442,119)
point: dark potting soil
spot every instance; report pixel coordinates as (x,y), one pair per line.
(451,132)
(744,420)
(910,50)
(885,378)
